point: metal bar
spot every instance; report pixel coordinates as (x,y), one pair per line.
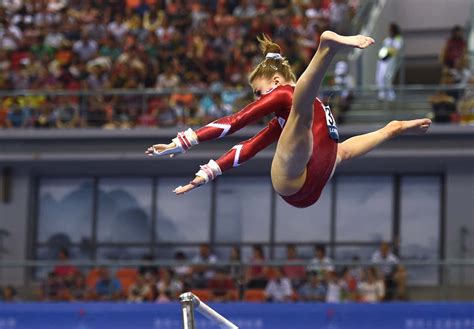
(187,307)
(190,301)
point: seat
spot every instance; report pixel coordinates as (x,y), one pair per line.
(204,294)
(254,295)
(92,277)
(234,295)
(127,276)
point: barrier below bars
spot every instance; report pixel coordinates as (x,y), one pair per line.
(190,302)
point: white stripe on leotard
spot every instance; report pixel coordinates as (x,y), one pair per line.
(225,128)
(238,149)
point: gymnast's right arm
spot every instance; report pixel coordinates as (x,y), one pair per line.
(235,157)
(266,104)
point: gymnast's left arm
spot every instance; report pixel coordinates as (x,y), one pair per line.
(234,157)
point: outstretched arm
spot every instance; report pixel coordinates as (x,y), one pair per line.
(235,156)
(271,102)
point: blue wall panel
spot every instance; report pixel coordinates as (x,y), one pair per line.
(247,316)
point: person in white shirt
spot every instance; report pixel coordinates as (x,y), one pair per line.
(334,288)
(320,263)
(10,35)
(387,263)
(202,273)
(385,259)
(279,288)
(372,289)
(387,63)
(86,48)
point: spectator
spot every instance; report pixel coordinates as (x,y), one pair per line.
(168,79)
(460,75)
(344,83)
(296,273)
(10,35)
(339,16)
(142,41)
(169,284)
(85,48)
(313,290)
(387,263)
(318,15)
(138,291)
(235,271)
(9,294)
(221,286)
(65,271)
(455,48)
(466,105)
(16,116)
(52,289)
(245,10)
(107,288)
(163,296)
(385,259)
(320,263)
(255,276)
(202,273)
(78,290)
(348,285)
(356,270)
(148,269)
(443,107)
(183,272)
(3,115)
(334,288)
(278,289)
(400,279)
(371,289)
(387,63)
(443,103)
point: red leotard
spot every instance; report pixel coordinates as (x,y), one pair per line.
(277,101)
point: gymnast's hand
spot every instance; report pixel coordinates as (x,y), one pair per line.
(161,150)
(195,183)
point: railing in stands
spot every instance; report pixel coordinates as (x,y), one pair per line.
(124,108)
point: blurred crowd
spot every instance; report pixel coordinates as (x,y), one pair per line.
(457,104)
(164,44)
(319,281)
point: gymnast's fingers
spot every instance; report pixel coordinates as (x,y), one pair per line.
(184,189)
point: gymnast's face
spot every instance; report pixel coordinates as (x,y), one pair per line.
(262,86)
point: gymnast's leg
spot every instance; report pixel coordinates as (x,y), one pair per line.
(295,144)
(359,145)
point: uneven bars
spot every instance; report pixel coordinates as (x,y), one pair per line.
(189,302)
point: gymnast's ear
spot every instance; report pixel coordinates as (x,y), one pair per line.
(277,79)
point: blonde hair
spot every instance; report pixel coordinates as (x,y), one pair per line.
(269,66)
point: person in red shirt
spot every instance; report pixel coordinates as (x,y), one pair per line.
(455,48)
(308,148)
(221,286)
(64,270)
(296,273)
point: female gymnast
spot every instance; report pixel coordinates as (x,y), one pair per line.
(307,151)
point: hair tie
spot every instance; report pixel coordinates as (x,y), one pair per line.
(276,56)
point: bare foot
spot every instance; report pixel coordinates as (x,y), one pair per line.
(416,127)
(334,40)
